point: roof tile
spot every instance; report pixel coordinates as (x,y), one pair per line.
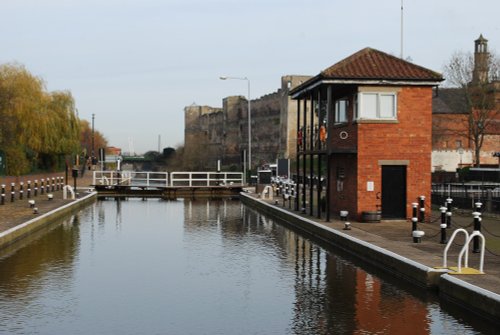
(374,64)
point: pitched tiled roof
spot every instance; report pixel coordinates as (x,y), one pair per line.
(372,64)
(449,101)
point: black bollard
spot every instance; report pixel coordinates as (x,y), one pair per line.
(477,227)
(443,225)
(2,201)
(478,206)
(53,188)
(36,187)
(21,190)
(448,212)
(3,189)
(28,188)
(12,192)
(422,208)
(414,218)
(42,187)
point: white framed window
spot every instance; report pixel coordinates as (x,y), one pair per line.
(341,107)
(377,106)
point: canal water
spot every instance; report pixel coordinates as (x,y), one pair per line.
(200,267)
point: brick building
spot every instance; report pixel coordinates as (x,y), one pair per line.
(377,113)
(452,139)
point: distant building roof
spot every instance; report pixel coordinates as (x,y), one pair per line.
(371,66)
(449,101)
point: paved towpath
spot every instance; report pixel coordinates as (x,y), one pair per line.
(395,236)
(19,211)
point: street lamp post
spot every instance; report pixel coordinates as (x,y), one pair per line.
(249,119)
(93,116)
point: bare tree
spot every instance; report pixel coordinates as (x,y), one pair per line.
(479,88)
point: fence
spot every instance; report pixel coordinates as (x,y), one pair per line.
(29,189)
(166,179)
(111,178)
(205,178)
(466,195)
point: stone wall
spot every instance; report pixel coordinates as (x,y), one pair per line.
(213,133)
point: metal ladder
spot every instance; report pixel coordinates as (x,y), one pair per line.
(464,252)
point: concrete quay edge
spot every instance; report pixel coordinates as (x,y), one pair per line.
(21,231)
(471,297)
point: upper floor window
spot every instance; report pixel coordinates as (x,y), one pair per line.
(341,106)
(377,106)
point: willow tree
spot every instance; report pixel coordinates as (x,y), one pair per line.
(59,127)
(33,122)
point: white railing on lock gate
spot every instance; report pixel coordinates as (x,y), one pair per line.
(149,179)
(165,179)
(111,178)
(191,179)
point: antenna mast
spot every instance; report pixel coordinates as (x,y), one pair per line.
(401,29)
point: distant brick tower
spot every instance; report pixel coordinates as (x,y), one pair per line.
(481,59)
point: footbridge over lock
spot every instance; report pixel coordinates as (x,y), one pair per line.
(167,185)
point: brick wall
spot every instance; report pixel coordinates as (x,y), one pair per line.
(343,187)
(408,140)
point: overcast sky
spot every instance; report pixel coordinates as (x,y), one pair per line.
(136,64)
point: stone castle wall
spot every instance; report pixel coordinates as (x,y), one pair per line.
(213,133)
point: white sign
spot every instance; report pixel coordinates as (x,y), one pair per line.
(370,186)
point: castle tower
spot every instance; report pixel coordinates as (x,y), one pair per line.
(481,59)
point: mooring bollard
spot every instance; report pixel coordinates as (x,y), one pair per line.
(448,212)
(36,187)
(414,218)
(477,227)
(417,236)
(12,192)
(422,208)
(343,218)
(443,225)
(21,190)
(478,206)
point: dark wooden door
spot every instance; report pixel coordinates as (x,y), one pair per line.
(394,192)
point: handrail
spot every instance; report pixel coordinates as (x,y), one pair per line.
(166,179)
(199,178)
(465,249)
(451,241)
(464,252)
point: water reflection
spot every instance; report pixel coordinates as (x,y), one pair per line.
(196,267)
